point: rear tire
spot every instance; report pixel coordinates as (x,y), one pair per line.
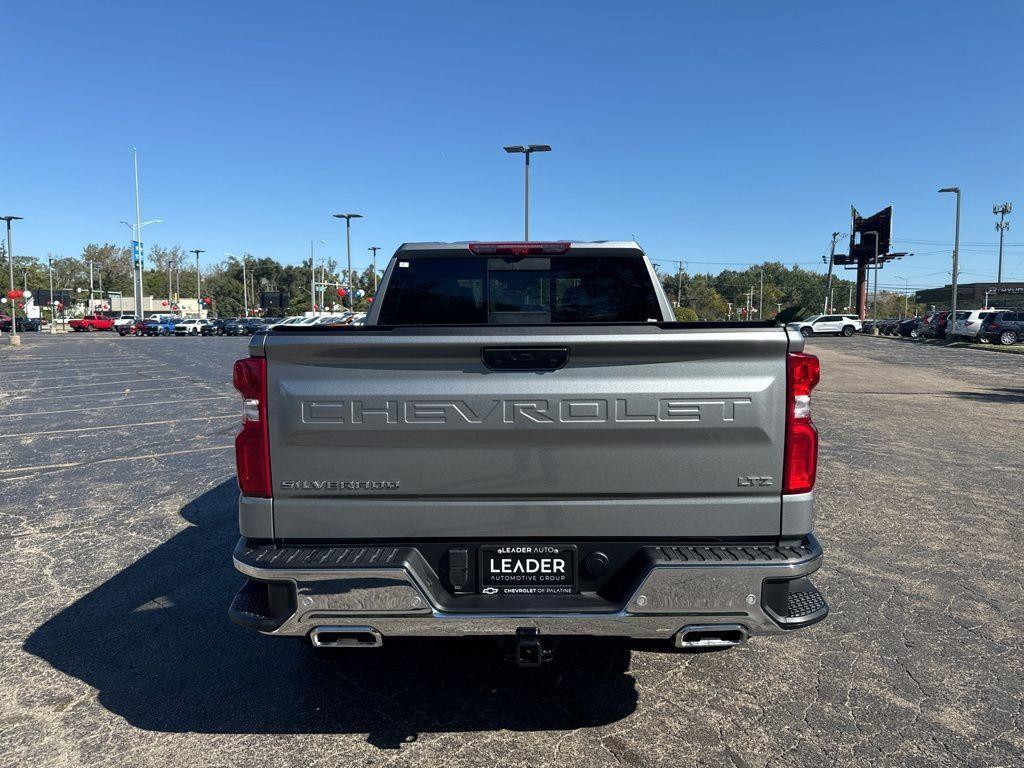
(1006,338)
(847,331)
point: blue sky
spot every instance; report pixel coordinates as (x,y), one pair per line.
(723,133)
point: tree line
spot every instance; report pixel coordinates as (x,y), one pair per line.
(700,296)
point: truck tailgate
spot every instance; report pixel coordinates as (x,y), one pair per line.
(644,431)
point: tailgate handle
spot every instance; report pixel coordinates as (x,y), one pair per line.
(524,358)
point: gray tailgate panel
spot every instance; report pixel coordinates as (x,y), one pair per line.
(645,432)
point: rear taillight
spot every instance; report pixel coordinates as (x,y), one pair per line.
(519,249)
(252,445)
(801,460)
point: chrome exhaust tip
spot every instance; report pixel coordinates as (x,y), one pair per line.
(346,637)
(711,636)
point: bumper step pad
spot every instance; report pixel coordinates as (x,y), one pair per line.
(794,604)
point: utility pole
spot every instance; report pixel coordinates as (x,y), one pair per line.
(956,260)
(199,282)
(728,314)
(679,285)
(245,290)
(828,283)
(348,249)
(849,299)
(374,248)
(760,297)
(91,299)
(13,339)
(1002,225)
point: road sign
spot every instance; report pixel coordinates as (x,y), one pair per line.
(137,251)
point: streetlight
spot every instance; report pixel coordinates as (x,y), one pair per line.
(348,247)
(527,151)
(13,339)
(312,278)
(956,258)
(137,255)
(199,282)
(374,248)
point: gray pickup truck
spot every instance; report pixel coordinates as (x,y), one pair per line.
(522,443)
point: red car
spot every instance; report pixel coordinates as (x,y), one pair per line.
(92,323)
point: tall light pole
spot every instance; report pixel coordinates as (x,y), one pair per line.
(956,259)
(13,339)
(526,151)
(1002,225)
(199,282)
(91,299)
(374,248)
(137,258)
(137,250)
(53,315)
(348,248)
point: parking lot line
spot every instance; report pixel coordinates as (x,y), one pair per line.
(116,426)
(36,469)
(27,414)
(120,395)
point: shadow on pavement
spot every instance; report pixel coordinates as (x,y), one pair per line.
(997,395)
(156,643)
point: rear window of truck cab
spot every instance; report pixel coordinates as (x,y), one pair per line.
(508,290)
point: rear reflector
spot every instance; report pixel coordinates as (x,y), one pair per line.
(801,460)
(252,444)
(519,249)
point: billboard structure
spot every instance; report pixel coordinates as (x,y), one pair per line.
(870,248)
(275,302)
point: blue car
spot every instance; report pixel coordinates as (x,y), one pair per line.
(162,327)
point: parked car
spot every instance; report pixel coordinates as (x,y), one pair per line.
(835,324)
(935,328)
(124,321)
(158,327)
(213,328)
(23,324)
(237,326)
(429,533)
(92,323)
(1005,326)
(191,327)
(908,327)
(887,325)
(255,325)
(968,322)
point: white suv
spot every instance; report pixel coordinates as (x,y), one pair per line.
(968,322)
(844,325)
(189,327)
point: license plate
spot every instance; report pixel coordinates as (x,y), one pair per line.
(528,569)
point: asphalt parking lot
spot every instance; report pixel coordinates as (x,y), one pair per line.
(119,519)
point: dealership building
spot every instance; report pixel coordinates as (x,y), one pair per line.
(974,295)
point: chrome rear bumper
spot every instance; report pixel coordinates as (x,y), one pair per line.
(395,593)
